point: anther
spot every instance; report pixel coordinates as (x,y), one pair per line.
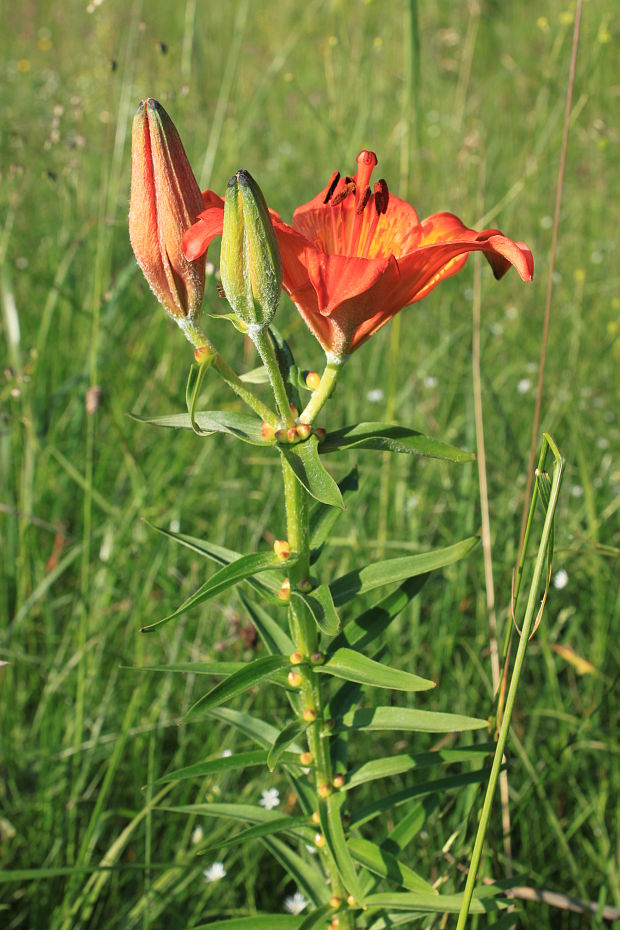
(349,188)
(333,181)
(382,197)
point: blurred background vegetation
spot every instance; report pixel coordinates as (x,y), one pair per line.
(463,102)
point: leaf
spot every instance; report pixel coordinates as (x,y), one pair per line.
(362,630)
(386,865)
(391,438)
(244,813)
(256,376)
(239,682)
(429,904)
(303,457)
(437,786)
(240,425)
(352,666)
(190,668)
(362,580)
(285,738)
(408,718)
(320,604)
(323,518)
(405,762)
(274,637)
(307,875)
(256,922)
(318,916)
(333,831)
(227,577)
(261,732)
(283,824)
(240,760)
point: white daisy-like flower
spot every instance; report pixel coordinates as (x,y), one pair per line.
(375,396)
(560,579)
(524,385)
(295,903)
(197,835)
(270,798)
(431,381)
(226,753)
(214,872)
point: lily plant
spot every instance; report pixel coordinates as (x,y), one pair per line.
(352,258)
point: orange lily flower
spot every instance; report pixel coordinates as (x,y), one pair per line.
(353,257)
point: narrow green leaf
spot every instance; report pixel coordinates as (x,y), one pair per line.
(362,580)
(331,825)
(256,376)
(287,825)
(239,682)
(321,605)
(430,904)
(352,666)
(409,825)
(307,875)
(387,437)
(244,813)
(316,917)
(274,637)
(286,736)
(384,864)
(261,732)
(437,786)
(190,668)
(408,718)
(240,760)
(303,457)
(405,762)
(256,922)
(323,518)
(227,577)
(242,426)
(362,630)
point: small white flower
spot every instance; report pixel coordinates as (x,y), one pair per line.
(226,753)
(215,872)
(431,381)
(524,385)
(311,849)
(560,579)
(576,490)
(270,798)
(197,835)
(511,312)
(375,396)
(295,903)
(175,525)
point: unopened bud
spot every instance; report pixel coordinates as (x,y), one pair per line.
(351,901)
(165,201)
(267,431)
(204,354)
(291,434)
(306,758)
(282,549)
(296,658)
(294,679)
(324,791)
(320,433)
(282,435)
(309,714)
(338,781)
(316,817)
(313,379)
(294,410)
(319,840)
(305,585)
(335,921)
(285,590)
(329,725)
(317,658)
(304,430)
(335,901)
(250,262)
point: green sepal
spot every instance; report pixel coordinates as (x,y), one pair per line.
(238,682)
(304,459)
(352,666)
(387,437)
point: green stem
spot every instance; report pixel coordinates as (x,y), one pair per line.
(305,636)
(324,390)
(514,682)
(264,346)
(195,335)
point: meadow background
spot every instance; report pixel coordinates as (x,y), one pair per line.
(463,102)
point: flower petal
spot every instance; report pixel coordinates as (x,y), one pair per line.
(198,238)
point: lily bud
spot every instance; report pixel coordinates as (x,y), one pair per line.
(250,262)
(165,201)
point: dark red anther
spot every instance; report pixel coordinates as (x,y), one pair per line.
(333,181)
(349,188)
(220,291)
(382,197)
(363,201)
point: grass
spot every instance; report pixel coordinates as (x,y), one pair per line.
(292,96)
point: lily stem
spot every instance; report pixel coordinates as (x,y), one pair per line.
(305,636)
(324,390)
(195,335)
(264,346)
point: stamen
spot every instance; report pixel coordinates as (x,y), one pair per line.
(349,188)
(362,204)
(333,182)
(382,196)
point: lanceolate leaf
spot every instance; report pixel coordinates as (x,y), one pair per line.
(323,518)
(408,718)
(191,668)
(316,918)
(274,637)
(362,580)
(239,682)
(291,826)
(321,605)
(227,577)
(286,736)
(373,622)
(352,666)
(405,762)
(241,425)
(304,459)
(307,875)
(331,825)
(383,863)
(430,904)
(389,438)
(241,760)
(261,732)
(256,922)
